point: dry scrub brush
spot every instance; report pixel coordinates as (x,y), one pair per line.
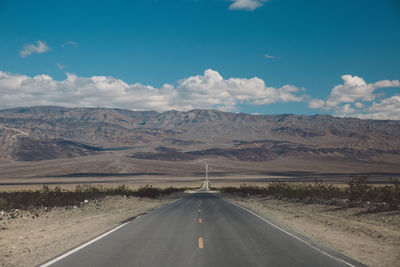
(358,192)
(57,197)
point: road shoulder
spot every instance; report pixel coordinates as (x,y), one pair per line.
(372,239)
(33,237)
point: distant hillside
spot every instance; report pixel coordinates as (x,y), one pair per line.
(39,133)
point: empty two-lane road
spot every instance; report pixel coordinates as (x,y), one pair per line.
(200,230)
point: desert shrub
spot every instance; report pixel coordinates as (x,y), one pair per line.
(148,191)
(287,190)
(56,197)
(359,189)
(357,192)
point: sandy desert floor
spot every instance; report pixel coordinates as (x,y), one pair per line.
(117,168)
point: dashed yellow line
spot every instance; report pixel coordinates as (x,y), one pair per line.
(201,242)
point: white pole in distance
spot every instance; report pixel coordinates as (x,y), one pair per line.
(206,171)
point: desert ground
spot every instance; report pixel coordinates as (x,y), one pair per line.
(118,168)
(28,238)
(35,236)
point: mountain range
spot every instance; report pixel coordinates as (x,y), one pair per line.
(48,132)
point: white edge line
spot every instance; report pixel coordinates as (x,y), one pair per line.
(66,254)
(82,246)
(292,235)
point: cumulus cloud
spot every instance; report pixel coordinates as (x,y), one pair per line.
(39,48)
(316,103)
(209,90)
(347,109)
(249,5)
(353,99)
(388,108)
(359,105)
(355,88)
(385,109)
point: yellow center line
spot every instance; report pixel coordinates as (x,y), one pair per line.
(201,242)
(199,220)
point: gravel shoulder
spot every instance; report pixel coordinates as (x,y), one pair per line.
(370,238)
(28,238)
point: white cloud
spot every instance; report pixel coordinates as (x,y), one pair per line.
(346,109)
(388,108)
(74,44)
(316,103)
(356,89)
(209,90)
(60,66)
(359,105)
(269,56)
(249,5)
(385,109)
(69,42)
(39,48)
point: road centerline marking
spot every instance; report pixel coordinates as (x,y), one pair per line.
(201,244)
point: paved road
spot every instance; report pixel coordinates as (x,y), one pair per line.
(201,230)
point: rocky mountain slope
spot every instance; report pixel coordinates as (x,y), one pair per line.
(38,133)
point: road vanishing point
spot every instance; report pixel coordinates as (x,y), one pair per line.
(200,229)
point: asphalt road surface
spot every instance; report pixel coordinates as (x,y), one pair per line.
(200,230)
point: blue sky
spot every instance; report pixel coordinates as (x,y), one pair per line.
(277,56)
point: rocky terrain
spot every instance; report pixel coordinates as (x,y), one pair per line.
(41,133)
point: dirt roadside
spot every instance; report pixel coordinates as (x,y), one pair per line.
(28,238)
(370,238)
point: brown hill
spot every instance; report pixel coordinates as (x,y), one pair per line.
(39,133)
